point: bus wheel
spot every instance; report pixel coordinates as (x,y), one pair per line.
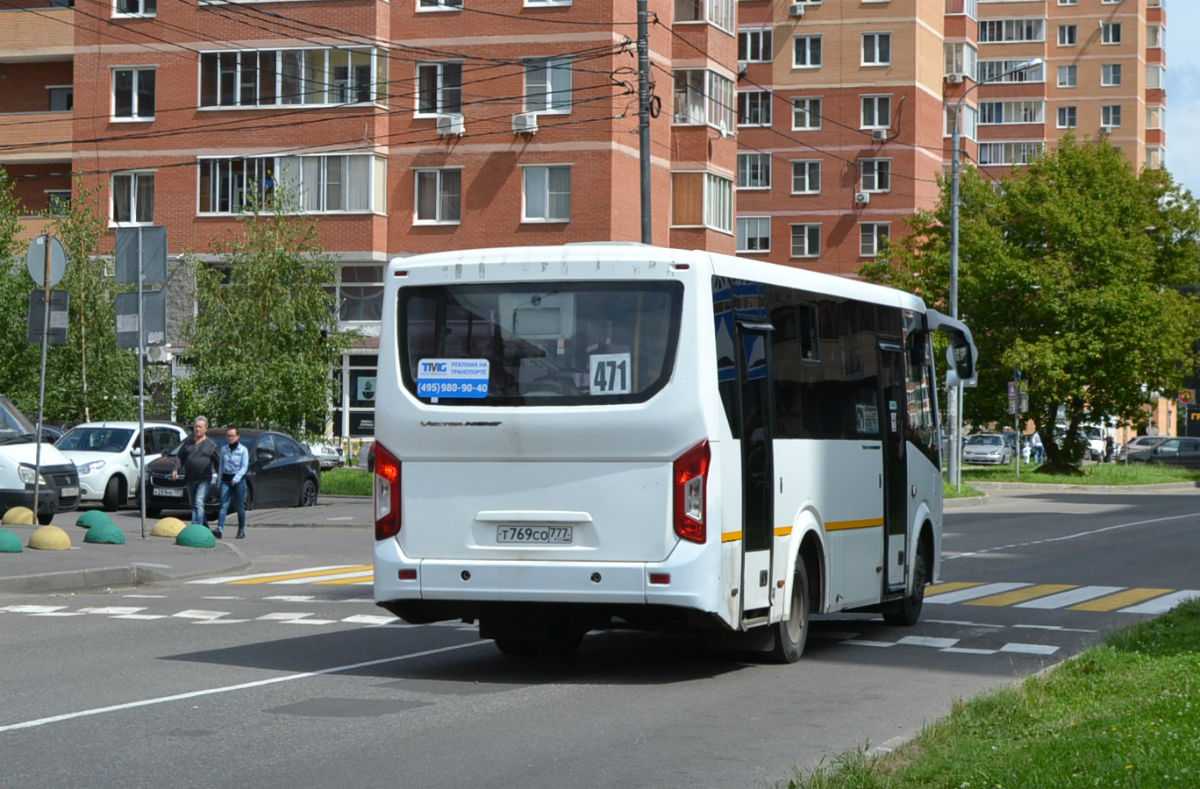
(516,646)
(791,633)
(906,612)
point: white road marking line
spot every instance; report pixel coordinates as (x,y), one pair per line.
(230,578)
(862,643)
(230,688)
(32,609)
(1161,605)
(1070,597)
(926,641)
(145,617)
(1066,537)
(113,610)
(370,619)
(197,614)
(296,581)
(972,593)
(968,651)
(284,616)
(1029,649)
(293,598)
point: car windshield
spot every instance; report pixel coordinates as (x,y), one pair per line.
(96,439)
(984,441)
(13,423)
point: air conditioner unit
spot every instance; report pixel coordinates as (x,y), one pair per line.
(1106,130)
(795,10)
(879,135)
(525,123)
(954,78)
(450,124)
(158,354)
(862,198)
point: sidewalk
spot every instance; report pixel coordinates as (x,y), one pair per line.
(157,559)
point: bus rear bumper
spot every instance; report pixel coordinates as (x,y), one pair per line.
(454,588)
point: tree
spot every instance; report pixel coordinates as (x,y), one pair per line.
(265,339)
(20,363)
(1072,272)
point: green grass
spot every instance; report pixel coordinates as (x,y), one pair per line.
(1092,474)
(1125,714)
(346,482)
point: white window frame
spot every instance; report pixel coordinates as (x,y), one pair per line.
(718,203)
(1013,111)
(1013,153)
(135,113)
(808,44)
(811,178)
(711,103)
(877,39)
(1110,33)
(868,245)
(1156,117)
(753,170)
(536,3)
(441,89)
(754,107)
(877,102)
(1110,115)
(1068,35)
(548,84)
(756,44)
(810,234)
(302,77)
(549,196)
(440,214)
(876,175)
(1009,71)
(1068,117)
(439,5)
(814,118)
(1068,76)
(760,244)
(1110,75)
(135,208)
(1009,31)
(337,183)
(146,8)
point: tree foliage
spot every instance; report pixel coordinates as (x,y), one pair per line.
(1073,269)
(265,338)
(20,362)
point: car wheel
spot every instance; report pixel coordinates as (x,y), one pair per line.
(44,518)
(153,512)
(792,633)
(906,612)
(248,499)
(112,494)
(308,493)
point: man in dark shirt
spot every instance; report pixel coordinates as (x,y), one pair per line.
(200,458)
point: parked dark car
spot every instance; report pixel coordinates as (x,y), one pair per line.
(1139,447)
(283,473)
(1172,452)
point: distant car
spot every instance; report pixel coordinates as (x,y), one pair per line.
(107,456)
(1136,447)
(987,449)
(329,455)
(1183,452)
(366,456)
(283,473)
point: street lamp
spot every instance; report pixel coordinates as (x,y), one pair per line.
(955,410)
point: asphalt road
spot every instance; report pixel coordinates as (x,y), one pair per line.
(289,676)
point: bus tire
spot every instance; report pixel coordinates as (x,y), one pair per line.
(792,633)
(906,612)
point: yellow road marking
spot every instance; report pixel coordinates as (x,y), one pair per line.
(355,580)
(1021,595)
(316,574)
(952,586)
(1119,600)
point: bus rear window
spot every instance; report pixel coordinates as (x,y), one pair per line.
(538,343)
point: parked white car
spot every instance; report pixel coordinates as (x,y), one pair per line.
(108,456)
(329,455)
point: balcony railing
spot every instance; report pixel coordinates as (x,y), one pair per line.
(37,33)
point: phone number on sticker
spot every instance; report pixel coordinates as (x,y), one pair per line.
(437,388)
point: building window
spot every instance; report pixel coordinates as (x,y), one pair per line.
(439,5)
(700,199)
(754,234)
(438,197)
(755,46)
(754,171)
(876,112)
(1155,117)
(806,51)
(1110,32)
(754,108)
(1067,35)
(715,12)
(1068,76)
(135,8)
(703,96)
(876,49)
(273,77)
(1066,117)
(997,112)
(1110,115)
(960,58)
(1009,153)
(876,175)
(806,113)
(548,85)
(133,93)
(58,201)
(998,31)
(439,88)
(1068,2)
(806,177)
(871,236)
(62,97)
(334,183)
(133,198)
(546,2)
(547,193)
(1154,157)
(1010,71)
(1156,77)
(1155,38)
(1110,74)
(359,293)
(806,241)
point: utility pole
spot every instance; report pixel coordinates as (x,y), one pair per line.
(643,50)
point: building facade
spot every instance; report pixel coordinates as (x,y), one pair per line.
(799,133)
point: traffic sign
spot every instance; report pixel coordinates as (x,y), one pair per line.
(1187,396)
(35,260)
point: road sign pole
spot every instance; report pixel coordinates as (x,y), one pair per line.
(37,458)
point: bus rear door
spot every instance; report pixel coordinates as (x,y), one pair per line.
(755,410)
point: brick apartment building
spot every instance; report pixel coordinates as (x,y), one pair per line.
(800,133)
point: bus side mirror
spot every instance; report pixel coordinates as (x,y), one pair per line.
(960,361)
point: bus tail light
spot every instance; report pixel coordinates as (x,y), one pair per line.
(689,472)
(387,493)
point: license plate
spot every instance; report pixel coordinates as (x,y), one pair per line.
(68,491)
(535,535)
(176,493)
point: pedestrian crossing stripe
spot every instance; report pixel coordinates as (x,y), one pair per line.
(1136,600)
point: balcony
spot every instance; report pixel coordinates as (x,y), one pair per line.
(48,34)
(33,137)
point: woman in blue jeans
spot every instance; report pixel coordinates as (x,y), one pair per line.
(235,462)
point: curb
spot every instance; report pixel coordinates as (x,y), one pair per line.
(134,574)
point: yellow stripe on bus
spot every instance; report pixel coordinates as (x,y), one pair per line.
(731,536)
(1119,600)
(865,523)
(1021,595)
(783,531)
(316,574)
(949,586)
